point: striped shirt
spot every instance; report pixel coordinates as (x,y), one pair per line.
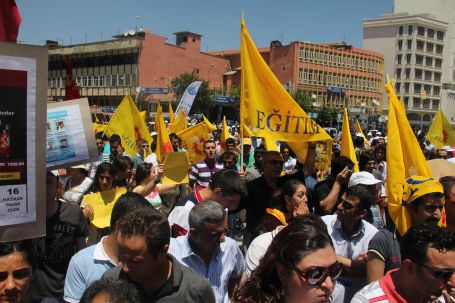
(381,291)
(202,173)
(225,265)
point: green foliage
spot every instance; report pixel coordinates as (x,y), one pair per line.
(202,101)
(304,100)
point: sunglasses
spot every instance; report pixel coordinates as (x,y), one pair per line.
(276,162)
(317,275)
(441,274)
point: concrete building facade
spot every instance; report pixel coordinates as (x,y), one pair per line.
(108,70)
(418,43)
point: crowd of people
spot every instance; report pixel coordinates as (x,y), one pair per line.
(252,225)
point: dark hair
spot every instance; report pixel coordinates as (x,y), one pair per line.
(304,235)
(447,183)
(358,141)
(115,139)
(270,153)
(173,136)
(209,142)
(143,170)
(117,291)
(228,154)
(229,182)
(364,158)
(121,163)
(338,164)
(284,146)
(260,150)
(364,195)
(149,223)
(125,204)
(287,189)
(102,168)
(417,240)
(101,136)
(230,141)
(153,144)
(26,247)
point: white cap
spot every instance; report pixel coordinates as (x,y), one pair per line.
(364,178)
(153,134)
(359,135)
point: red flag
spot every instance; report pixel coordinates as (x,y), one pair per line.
(71,89)
(10,19)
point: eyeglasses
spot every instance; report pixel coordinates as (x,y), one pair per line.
(317,275)
(145,146)
(346,204)
(441,274)
(276,162)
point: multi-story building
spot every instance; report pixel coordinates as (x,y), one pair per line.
(413,47)
(140,64)
(336,75)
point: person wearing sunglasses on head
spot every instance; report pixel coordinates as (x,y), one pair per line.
(426,273)
(300,265)
(351,234)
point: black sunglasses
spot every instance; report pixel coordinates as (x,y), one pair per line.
(441,274)
(317,275)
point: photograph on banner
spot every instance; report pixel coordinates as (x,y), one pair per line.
(176,168)
(15,208)
(70,139)
(102,203)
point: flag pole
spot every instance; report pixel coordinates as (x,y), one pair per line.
(242,97)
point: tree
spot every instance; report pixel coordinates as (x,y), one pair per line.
(202,101)
(304,100)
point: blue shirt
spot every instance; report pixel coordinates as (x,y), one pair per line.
(225,265)
(85,267)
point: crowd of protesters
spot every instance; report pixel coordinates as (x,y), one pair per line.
(251,226)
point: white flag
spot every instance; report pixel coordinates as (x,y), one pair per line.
(188,97)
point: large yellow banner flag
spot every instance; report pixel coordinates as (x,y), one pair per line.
(359,130)
(163,143)
(347,147)
(129,125)
(404,159)
(441,132)
(266,108)
(194,138)
(180,123)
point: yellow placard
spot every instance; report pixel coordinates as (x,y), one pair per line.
(10,176)
(176,168)
(102,204)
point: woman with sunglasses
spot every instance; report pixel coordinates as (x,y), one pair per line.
(291,200)
(17,263)
(300,265)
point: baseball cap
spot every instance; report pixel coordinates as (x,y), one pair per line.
(417,186)
(364,178)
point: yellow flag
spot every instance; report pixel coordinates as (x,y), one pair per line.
(142,114)
(266,108)
(102,203)
(163,143)
(441,132)
(97,127)
(180,123)
(358,129)
(194,138)
(129,125)
(347,148)
(176,168)
(270,145)
(171,113)
(404,159)
(209,124)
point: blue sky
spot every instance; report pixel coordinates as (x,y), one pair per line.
(218,22)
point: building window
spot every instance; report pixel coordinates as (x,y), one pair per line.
(400,45)
(430,33)
(410,30)
(438,63)
(436,90)
(406,102)
(398,73)
(420,31)
(420,45)
(406,87)
(408,73)
(398,86)
(408,58)
(400,30)
(417,88)
(418,73)
(409,44)
(427,89)
(416,102)
(439,48)
(428,61)
(301,54)
(440,35)
(437,77)
(426,103)
(430,47)
(427,75)
(435,104)
(399,58)
(419,59)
